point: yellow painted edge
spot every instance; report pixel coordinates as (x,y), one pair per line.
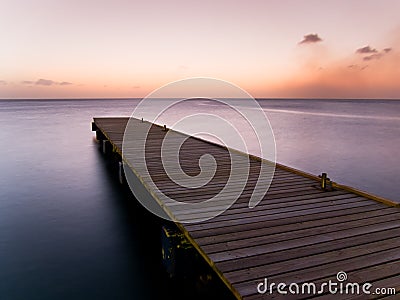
(115,147)
(298,172)
(209,261)
(367,195)
(180,226)
(119,151)
(189,237)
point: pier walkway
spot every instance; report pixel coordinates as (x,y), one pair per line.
(299,233)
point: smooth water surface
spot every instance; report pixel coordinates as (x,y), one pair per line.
(68,232)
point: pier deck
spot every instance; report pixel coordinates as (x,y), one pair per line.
(298,233)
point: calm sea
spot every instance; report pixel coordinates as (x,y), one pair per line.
(68,231)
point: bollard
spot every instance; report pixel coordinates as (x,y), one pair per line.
(325,183)
(323,180)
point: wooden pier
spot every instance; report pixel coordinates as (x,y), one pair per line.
(299,233)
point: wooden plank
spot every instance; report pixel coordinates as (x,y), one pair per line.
(244,240)
(307,250)
(249,250)
(315,212)
(199,230)
(264,205)
(270,194)
(320,259)
(271,209)
(294,227)
(214,184)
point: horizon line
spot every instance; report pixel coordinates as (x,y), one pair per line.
(138,98)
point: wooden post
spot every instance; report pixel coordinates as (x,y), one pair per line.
(106,147)
(121,174)
(99,135)
(94,127)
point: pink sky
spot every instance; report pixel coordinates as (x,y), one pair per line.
(126,48)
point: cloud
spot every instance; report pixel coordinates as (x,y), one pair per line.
(3,82)
(366,50)
(65,83)
(373,53)
(46,82)
(310,38)
(357,67)
(27,82)
(373,56)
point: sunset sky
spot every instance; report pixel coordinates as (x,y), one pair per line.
(127,48)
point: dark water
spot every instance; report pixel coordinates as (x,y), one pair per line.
(67,229)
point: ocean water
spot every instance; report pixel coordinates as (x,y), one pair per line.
(68,231)
(354,141)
